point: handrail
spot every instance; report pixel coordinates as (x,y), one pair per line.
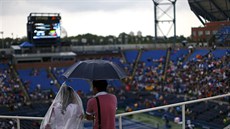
(131,113)
(172,105)
(22,117)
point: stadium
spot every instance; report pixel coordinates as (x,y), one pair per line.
(171,84)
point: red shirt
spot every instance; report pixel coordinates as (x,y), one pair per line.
(108,106)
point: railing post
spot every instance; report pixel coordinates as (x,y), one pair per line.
(18,123)
(120,122)
(119,116)
(183,116)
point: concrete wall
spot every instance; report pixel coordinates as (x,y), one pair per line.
(111,47)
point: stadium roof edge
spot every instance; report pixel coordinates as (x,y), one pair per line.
(210,10)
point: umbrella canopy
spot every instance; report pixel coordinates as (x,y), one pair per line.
(190,47)
(26,44)
(95,70)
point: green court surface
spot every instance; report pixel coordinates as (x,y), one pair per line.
(154,121)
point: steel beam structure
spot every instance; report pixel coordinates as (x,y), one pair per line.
(162,10)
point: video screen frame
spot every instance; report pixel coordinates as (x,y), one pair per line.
(44,29)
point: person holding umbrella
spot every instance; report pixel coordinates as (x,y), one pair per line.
(102,107)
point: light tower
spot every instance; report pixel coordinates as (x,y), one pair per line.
(1,32)
(165,12)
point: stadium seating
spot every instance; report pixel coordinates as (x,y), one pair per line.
(201,52)
(178,55)
(153,57)
(4,66)
(34,77)
(137,95)
(223,35)
(77,84)
(130,55)
(218,53)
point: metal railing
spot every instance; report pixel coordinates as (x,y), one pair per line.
(119,116)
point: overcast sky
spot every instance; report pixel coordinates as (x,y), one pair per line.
(100,17)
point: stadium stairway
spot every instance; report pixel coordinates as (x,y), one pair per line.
(54,78)
(167,61)
(188,55)
(136,61)
(123,57)
(20,83)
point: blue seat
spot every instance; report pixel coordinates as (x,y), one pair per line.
(218,53)
(40,79)
(3,66)
(175,55)
(80,85)
(201,52)
(149,55)
(131,55)
(77,84)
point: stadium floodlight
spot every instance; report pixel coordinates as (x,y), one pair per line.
(164,12)
(2,32)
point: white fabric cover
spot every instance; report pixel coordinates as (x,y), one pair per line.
(66,111)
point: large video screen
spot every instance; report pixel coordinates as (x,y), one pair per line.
(46,30)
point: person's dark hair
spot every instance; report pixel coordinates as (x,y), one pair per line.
(101,85)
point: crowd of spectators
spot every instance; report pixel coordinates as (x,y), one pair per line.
(11,95)
(202,77)
(8,124)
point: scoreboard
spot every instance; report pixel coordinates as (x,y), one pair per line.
(44,29)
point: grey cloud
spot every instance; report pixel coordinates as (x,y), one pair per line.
(88,5)
(18,6)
